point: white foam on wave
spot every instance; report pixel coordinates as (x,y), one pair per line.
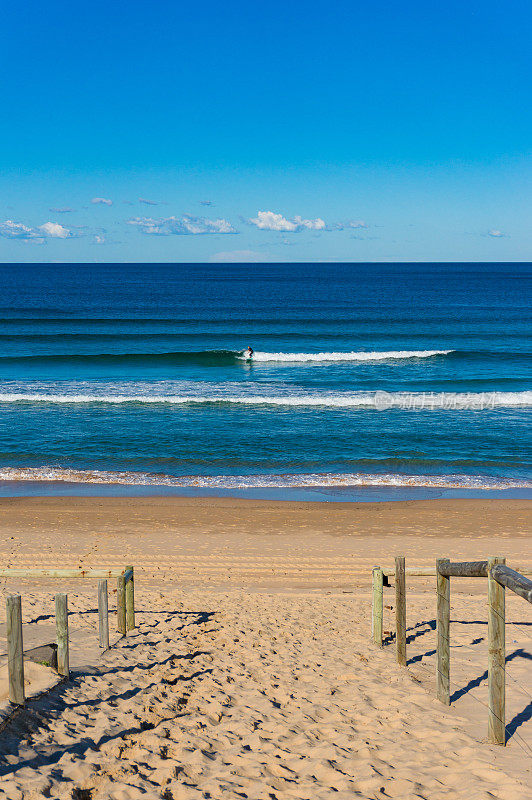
(353,356)
(57,474)
(380,401)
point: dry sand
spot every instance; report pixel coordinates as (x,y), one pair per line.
(251,673)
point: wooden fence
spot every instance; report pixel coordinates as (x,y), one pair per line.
(125,615)
(499,577)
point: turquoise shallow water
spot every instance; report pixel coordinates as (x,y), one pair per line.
(369,379)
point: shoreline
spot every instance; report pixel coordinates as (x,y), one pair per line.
(305,494)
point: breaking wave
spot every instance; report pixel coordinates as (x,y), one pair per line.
(215,358)
(353,356)
(379,400)
(57,474)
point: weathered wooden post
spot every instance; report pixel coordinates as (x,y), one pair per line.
(61,626)
(377,606)
(130,599)
(15,650)
(496,658)
(443,620)
(103,615)
(121,604)
(400,610)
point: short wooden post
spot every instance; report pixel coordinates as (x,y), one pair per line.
(121,604)
(103,615)
(61,626)
(443,624)
(400,610)
(15,649)
(496,658)
(377,606)
(130,599)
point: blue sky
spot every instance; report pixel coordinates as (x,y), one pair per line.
(273,132)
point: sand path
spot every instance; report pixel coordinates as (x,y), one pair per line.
(270,688)
(258,696)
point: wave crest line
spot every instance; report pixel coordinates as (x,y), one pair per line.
(453,481)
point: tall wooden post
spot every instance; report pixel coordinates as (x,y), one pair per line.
(61,625)
(377,606)
(15,650)
(103,615)
(496,658)
(121,604)
(130,599)
(443,624)
(400,610)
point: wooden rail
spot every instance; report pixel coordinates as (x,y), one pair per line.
(125,612)
(513,580)
(499,577)
(463,569)
(426,572)
(62,573)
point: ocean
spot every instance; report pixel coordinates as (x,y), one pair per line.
(369,381)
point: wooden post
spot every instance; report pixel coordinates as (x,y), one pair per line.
(61,626)
(121,604)
(496,658)
(15,650)
(377,606)
(103,615)
(400,610)
(130,599)
(443,624)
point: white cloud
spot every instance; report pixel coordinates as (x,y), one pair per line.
(233,256)
(65,210)
(17,230)
(181,226)
(270,221)
(495,234)
(49,230)
(102,200)
(146,225)
(148,202)
(98,239)
(206,203)
(54,230)
(357,223)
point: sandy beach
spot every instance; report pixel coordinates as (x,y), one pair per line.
(251,672)
(265,331)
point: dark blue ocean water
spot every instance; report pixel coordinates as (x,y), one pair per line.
(364,375)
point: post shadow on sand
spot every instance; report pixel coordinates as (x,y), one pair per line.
(202,616)
(520,718)
(37,712)
(421,628)
(475,682)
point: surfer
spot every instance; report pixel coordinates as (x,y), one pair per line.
(249,352)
